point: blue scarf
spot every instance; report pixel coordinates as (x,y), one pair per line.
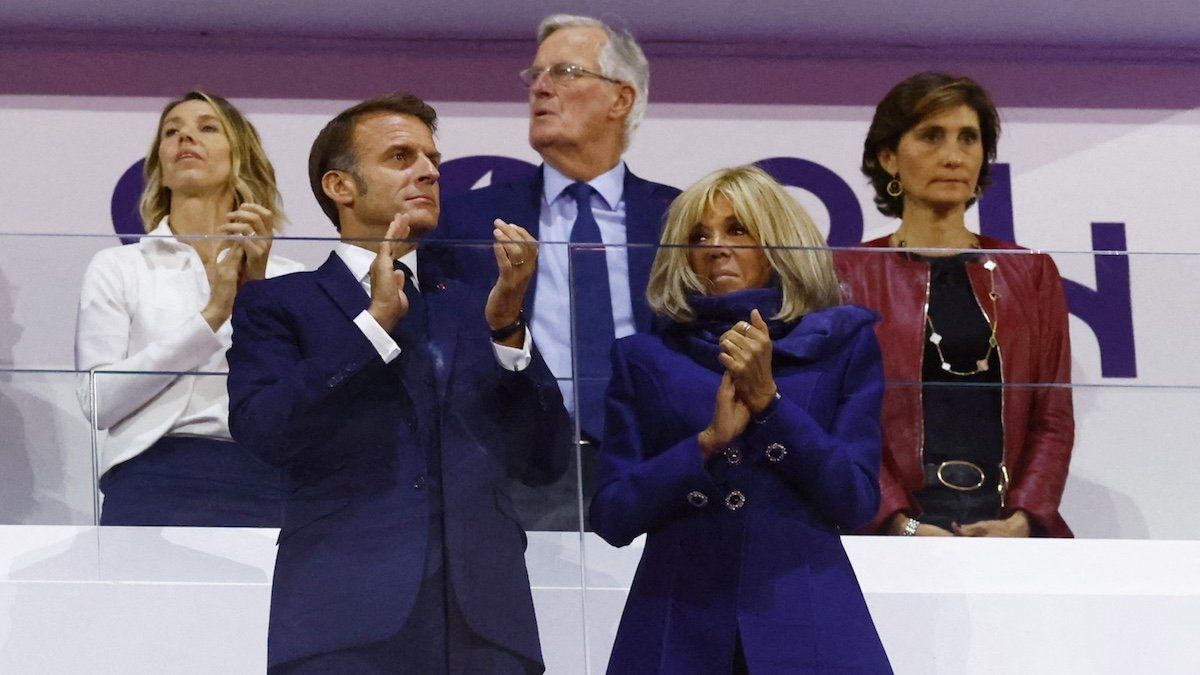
(715,315)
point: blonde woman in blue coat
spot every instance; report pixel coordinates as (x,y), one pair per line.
(742,438)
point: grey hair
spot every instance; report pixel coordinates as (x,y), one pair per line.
(621,59)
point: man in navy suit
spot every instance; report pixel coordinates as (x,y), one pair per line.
(376,388)
(588,87)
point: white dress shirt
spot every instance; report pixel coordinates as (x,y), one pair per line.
(359,261)
(551,324)
(139,317)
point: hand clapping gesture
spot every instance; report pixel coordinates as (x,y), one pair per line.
(256,225)
(729,420)
(747,387)
(389,304)
(516,257)
(224,277)
(746,355)
(241,257)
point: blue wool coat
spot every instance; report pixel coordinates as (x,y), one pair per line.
(772,571)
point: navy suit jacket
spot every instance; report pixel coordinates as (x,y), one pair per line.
(468,218)
(771,570)
(309,393)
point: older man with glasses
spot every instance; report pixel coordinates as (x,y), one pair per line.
(588,86)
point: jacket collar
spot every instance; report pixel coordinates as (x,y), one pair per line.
(824,331)
(610,185)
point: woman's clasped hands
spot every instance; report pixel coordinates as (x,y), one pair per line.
(747,386)
(241,257)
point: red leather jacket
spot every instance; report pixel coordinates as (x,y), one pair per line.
(1035,358)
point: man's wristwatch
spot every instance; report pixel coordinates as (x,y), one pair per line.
(502,334)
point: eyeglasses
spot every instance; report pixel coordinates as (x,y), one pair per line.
(560,73)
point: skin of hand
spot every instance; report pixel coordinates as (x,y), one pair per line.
(746,355)
(1016,525)
(729,420)
(923,530)
(224,275)
(389,304)
(254,226)
(516,257)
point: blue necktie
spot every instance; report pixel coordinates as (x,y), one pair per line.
(415,324)
(592,320)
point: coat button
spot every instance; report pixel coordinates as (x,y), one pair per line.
(697,498)
(419,483)
(776,452)
(733,455)
(440,286)
(735,500)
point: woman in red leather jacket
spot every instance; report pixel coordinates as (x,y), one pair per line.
(977,418)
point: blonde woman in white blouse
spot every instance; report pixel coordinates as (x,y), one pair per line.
(153,313)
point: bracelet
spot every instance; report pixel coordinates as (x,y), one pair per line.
(910,528)
(502,334)
(766,413)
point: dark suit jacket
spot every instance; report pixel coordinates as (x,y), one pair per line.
(468,218)
(772,570)
(309,393)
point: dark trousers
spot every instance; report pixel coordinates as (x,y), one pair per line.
(739,657)
(424,646)
(192,482)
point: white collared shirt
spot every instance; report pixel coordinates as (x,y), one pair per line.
(139,315)
(551,324)
(359,261)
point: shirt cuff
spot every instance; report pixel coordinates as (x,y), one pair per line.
(378,337)
(511,358)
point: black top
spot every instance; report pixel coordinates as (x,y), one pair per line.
(962,413)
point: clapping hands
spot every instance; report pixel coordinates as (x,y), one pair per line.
(747,387)
(389,304)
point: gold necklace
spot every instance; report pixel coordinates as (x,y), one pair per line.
(936,338)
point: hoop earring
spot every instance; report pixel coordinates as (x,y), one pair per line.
(895,188)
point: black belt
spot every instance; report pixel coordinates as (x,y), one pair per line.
(961,475)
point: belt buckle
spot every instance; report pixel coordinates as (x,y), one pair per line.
(964,463)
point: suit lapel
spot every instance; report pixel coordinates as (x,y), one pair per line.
(642,216)
(527,196)
(527,206)
(339,283)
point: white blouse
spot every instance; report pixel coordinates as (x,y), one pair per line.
(138,330)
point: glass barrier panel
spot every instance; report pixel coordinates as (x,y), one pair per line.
(1117,403)
(47,449)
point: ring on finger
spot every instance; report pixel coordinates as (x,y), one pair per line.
(743,327)
(518,263)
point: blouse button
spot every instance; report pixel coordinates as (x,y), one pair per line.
(733,455)
(697,498)
(735,500)
(776,452)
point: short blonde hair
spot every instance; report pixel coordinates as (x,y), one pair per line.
(796,251)
(250,172)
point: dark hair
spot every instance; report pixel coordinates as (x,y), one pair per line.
(904,107)
(334,148)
